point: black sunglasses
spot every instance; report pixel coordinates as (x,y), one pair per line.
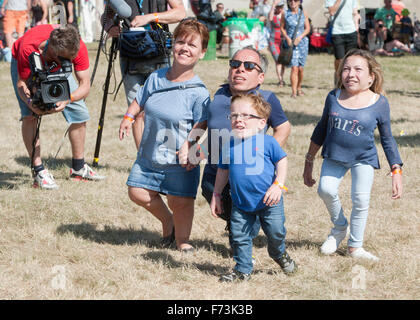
(248,65)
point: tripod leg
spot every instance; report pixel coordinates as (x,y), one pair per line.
(104,100)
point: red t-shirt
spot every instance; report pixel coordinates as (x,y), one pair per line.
(30,42)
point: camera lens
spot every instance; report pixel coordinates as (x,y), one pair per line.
(55,90)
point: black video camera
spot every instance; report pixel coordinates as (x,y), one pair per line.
(48,87)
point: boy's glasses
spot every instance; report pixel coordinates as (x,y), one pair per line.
(244,116)
(248,65)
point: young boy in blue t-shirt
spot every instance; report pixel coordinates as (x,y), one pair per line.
(256,167)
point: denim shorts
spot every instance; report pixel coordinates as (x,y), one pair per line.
(181,184)
(75,112)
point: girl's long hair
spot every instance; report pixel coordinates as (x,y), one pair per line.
(374,68)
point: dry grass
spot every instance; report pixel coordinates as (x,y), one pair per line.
(88,241)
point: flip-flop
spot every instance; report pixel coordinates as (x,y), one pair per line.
(300,93)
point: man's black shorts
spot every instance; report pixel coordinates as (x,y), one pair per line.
(342,43)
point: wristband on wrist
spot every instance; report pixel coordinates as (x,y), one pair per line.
(71,98)
(396,171)
(129,116)
(156,17)
(217,195)
(280,185)
(29,101)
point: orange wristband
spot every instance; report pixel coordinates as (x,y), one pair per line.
(156,17)
(396,171)
(280,185)
(71,98)
(129,117)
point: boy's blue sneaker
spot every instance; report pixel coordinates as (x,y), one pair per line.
(235,276)
(286,263)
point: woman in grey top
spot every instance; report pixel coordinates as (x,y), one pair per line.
(175,103)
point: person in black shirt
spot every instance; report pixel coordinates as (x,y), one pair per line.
(147,14)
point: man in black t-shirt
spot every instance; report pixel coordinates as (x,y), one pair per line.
(147,14)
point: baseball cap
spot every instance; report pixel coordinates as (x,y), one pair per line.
(281,3)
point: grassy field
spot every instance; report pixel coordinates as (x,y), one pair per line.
(89,241)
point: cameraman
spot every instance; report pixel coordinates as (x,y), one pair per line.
(151,12)
(53,42)
(380,44)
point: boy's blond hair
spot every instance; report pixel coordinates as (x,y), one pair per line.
(262,107)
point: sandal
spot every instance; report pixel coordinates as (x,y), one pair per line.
(282,83)
(300,92)
(166,242)
(293,96)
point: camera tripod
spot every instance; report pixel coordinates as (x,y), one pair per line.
(112,57)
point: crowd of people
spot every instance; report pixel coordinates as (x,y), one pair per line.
(246,172)
(18,16)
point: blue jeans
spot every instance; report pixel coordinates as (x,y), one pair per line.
(244,230)
(332,174)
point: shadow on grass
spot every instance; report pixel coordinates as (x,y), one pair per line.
(301,119)
(53,163)
(50,162)
(304,86)
(404,141)
(261,242)
(167,260)
(404,93)
(10,180)
(111,235)
(117,236)
(408,140)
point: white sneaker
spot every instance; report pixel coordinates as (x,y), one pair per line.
(45,180)
(86,173)
(333,241)
(361,253)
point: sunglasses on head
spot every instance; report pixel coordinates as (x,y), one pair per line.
(248,65)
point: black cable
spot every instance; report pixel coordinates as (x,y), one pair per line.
(101,40)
